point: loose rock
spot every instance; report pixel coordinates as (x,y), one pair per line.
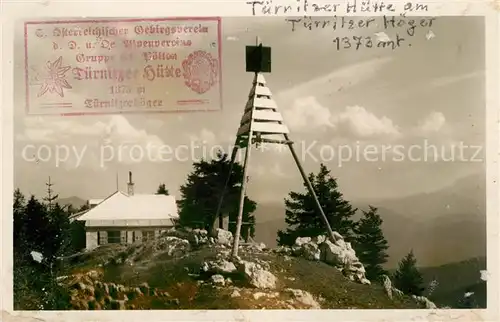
(257,276)
(220,266)
(218,280)
(304,298)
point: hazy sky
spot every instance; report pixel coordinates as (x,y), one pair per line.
(432,90)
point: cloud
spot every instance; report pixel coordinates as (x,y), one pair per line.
(256,170)
(113,138)
(266,171)
(434,122)
(155,123)
(307,113)
(119,131)
(343,77)
(204,136)
(357,122)
(277,170)
(449,80)
(54,129)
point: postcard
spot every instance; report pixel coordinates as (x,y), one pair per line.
(260,160)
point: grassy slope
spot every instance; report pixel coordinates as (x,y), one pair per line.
(455,279)
(180,276)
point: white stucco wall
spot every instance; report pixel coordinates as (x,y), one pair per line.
(130,237)
(91,240)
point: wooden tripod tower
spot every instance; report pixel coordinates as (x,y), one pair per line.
(261,123)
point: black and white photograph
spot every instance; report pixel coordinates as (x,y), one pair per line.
(288,162)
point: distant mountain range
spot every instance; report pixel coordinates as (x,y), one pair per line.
(443,226)
(75,202)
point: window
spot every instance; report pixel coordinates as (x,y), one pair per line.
(114,237)
(101,237)
(148,235)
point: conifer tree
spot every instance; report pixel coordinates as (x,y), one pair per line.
(303,218)
(370,244)
(407,278)
(19,211)
(59,231)
(50,199)
(36,228)
(58,227)
(162,190)
(200,194)
(36,225)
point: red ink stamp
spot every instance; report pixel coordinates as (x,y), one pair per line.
(200,71)
(106,66)
(55,80)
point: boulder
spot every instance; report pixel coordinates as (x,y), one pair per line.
(283,250)
(341,243)
(307,248)
(332,254)
(302,240)
(311,252)
(425,302)
(118,305)
(172,245)
(389,289)
(256,275)
(220,266)
(93,274)
(318,240)
(304,297)
(144,288)
(364,281)
(199,237)
(258,295)
(255,247)
(339,254)
(218,280)
(223,237)
(387,285)
(337,236)
(133,293)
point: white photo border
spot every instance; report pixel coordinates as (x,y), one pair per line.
(14,10)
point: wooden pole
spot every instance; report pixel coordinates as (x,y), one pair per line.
(311,191)
(242,194)
(237,233)
(247,227)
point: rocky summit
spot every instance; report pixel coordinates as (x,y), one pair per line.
(187,269)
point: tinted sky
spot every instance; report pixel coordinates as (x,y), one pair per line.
(433,90)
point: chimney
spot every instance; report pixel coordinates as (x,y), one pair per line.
(130,185)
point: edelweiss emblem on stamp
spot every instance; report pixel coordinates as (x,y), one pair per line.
(55,79)
(200,71)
